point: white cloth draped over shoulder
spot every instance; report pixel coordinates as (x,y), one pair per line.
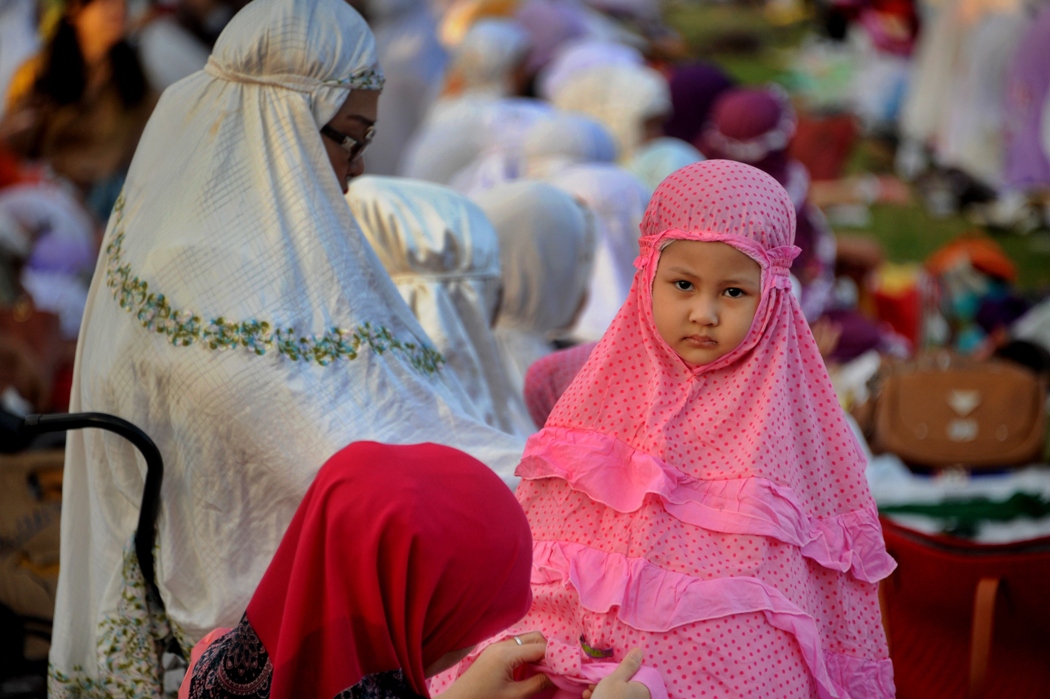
(238,316)
(618,200)
(444,257)
(547,244)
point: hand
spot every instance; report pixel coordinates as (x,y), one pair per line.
(617,684)
(492,674)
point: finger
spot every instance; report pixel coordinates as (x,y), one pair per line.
(527,652)
(628,666)
(533,685)
(637,690)
(587,694)
(531,637)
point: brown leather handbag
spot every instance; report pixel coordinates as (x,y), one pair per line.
(943,411)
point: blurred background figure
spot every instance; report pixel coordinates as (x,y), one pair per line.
(81,103)
(617,199)
(176,36)
(633,102)
(414,63)
(546,246)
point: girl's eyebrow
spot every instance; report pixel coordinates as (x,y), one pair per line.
(683,271)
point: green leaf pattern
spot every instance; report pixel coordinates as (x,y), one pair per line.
(184,328)
(370,79)
(129,648)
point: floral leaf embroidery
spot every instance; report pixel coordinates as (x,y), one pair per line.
(371,79)
(128,647)
(184,328)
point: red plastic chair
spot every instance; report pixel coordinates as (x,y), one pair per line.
(965,619)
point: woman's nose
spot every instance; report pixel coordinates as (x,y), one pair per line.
(356,167)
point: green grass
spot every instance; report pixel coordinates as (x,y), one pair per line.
(739,39)
(753,51)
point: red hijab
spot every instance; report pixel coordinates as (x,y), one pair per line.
(396,556)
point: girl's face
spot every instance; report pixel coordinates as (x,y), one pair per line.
(704,298)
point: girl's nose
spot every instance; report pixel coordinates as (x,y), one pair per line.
(704,311)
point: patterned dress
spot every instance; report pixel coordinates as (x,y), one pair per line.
(237,666)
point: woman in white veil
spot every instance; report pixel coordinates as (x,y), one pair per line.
(444,257)
(239,318)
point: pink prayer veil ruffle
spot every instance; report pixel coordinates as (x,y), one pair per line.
(710,514)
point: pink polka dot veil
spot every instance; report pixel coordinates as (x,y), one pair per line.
(716,516)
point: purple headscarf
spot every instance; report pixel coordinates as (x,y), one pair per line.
(694,89)
(1027,165)
(753,126)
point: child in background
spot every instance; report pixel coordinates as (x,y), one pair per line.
(697,492)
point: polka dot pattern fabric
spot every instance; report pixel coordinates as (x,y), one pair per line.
(716,516)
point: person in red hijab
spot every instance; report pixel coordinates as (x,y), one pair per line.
(398,561)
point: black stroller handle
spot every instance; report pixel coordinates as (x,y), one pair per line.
(146,532)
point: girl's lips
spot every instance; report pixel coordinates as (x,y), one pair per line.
(701,341)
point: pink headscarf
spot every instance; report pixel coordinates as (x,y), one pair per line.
(715,514)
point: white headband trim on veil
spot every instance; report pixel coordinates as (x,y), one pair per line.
(368,79)
(776,139)
(184,328)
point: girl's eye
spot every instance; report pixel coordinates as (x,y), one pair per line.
(734,293)
(683,285)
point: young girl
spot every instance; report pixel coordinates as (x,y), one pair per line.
(398,559)
(697,492)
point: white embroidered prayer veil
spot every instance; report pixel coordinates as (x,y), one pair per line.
(547,244)
(444,257)
(238,316)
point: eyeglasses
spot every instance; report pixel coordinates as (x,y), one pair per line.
(352,146)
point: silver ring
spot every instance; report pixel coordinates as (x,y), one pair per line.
(518,641)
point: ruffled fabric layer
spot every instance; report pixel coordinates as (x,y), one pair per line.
(613,473)
(650,598)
